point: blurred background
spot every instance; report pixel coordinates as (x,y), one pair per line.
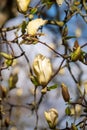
(22,117)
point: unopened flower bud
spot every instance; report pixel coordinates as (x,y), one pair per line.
(78,109)
(65,92)
(23,5)
(60,23)
(13,80)
(6,56)
(51,117)
(76,54)
(59,2)
(7,122)
(76,3)
(42,69)
(3,91)
(73,127)
(44,90)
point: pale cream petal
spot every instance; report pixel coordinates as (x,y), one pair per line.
(42,68)
(34,25)
(52,117)
(59,2)
(23,5)
(47,116)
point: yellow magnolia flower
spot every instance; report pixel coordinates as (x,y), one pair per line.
(34,25)
(59,2)
(42,69)
(23,5)
(51,117)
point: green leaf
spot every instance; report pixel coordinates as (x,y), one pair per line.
(23,27)
(8,62)
(49,3)
(69,37)
(34,80)
(33,10)
(52,87)
(68,111)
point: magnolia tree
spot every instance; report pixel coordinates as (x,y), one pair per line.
(41,72)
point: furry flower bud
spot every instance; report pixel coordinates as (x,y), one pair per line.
(65,92)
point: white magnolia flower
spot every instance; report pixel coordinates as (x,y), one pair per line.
(23,5)
(51,117)
(34,25)
(42,69)
(59,2)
